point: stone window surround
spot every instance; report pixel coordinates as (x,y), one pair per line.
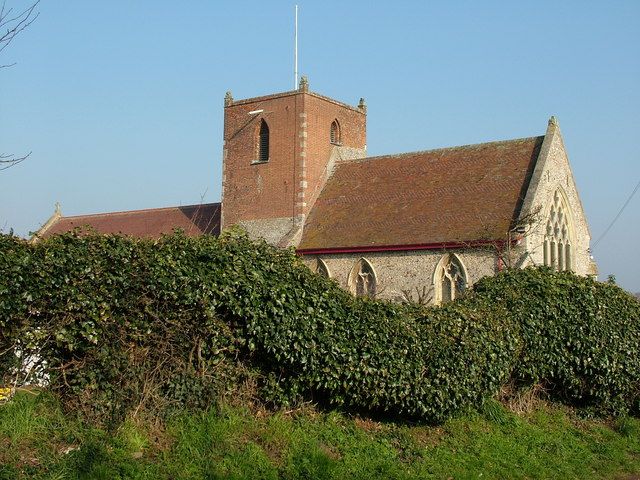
(559,234)
(439,272)
(322,268)
(357,271)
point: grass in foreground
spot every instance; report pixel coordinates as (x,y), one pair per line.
(38,441)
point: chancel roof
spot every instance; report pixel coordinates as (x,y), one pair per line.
(150,223)
(452,195)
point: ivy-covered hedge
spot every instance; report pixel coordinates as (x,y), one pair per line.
(124,324)
(115,324)
(581,338)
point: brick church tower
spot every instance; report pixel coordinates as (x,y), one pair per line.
(278,152)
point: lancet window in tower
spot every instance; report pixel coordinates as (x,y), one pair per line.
(335,133)
(557,239)
(263,142)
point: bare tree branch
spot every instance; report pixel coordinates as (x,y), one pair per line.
(14,24)
(8,161)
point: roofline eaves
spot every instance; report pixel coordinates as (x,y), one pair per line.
(402,248)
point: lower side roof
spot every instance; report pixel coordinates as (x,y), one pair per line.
(149,223)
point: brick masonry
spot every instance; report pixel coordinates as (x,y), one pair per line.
(272,199)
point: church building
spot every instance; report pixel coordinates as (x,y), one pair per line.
(422,225)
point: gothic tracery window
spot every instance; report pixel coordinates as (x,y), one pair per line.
(557,236)
(450,279)
(362,279)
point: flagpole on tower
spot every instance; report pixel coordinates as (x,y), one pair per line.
(295,52)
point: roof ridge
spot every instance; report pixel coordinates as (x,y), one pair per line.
(442,149)
(105,214)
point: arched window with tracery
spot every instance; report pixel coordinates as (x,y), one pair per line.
(362,279)
(450,278)
(263,142)
(322,268)
(335,133)
(558,238)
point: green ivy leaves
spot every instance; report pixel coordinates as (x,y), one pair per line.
(122,324)
(580,337)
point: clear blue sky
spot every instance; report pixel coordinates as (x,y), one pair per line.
(121,102)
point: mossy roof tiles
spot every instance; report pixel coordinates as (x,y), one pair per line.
(151,223)
(451,195)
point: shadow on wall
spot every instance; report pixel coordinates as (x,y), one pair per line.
(206,217)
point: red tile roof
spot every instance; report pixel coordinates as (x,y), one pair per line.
(193,219)
(461,194)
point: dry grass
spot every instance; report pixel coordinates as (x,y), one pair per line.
(521,401)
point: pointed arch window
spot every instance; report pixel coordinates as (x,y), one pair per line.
(322,268)
(362,279)
(263,142)
(558,239)
(334,135)
(450,278)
